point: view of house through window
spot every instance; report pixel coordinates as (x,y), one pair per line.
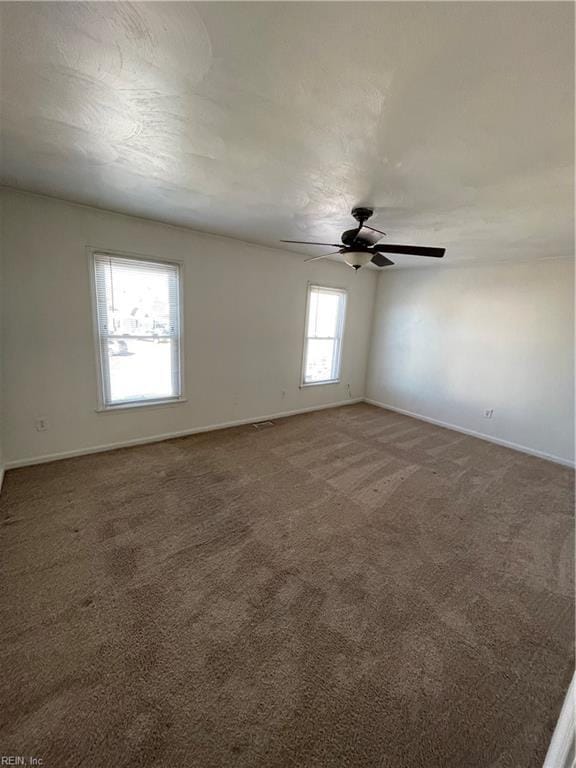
(324,330)
(138,317)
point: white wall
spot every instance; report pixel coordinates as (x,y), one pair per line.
(244,309)
(447,343)
(1,339)
(450,342)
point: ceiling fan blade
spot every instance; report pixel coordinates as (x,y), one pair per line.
(355,237)
(412,250)
(315,258)
(375,230)
(381,261)
(307,242)
(369,235)
(364,236)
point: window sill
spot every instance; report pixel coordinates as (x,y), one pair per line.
(319,383)
(145,404)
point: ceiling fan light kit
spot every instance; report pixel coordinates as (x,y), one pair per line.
(360,246)
(357,259)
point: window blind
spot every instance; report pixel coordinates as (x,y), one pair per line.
(138,324)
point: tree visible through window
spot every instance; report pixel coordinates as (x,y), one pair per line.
(138,321)
(324,330)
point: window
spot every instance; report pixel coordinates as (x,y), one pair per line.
(138,324)
(324,330)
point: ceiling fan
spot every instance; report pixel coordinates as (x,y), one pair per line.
(360,245)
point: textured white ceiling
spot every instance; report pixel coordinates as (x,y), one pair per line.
(271,120)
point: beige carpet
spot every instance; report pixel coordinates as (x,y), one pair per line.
(346,588)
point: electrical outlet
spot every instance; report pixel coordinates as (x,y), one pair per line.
(488,413)
(283,394)
(41,425)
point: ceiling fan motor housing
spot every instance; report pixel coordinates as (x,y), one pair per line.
(353,237)
(360,246)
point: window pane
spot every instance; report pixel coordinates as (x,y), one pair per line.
(319,360)
(312,312)
(327,314)
(323,334)
(135,299)
(323,313)
(140,369)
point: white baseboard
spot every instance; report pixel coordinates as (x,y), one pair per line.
(473,433)
(284,414)
(169,435)
(561,752)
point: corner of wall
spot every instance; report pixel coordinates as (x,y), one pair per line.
(372,332)
(450,346)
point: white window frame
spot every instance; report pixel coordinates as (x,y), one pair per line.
(103,405)
(337,363)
